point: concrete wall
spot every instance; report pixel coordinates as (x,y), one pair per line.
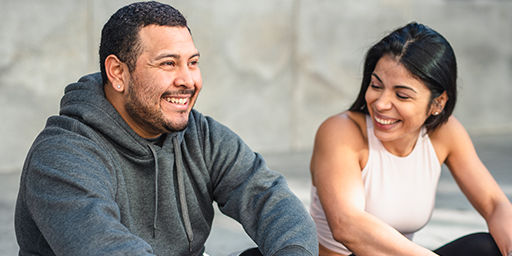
(273,70)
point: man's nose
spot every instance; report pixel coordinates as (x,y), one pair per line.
(184,78)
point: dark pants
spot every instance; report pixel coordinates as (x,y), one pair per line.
(475,244)
(251,252)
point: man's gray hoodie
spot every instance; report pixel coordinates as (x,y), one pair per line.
(91,186)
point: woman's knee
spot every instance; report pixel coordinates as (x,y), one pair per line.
(480,243)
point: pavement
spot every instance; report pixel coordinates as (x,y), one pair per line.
(453,215)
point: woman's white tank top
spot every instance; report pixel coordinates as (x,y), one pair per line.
(400,191)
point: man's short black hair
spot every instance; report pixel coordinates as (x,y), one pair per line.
(120,35)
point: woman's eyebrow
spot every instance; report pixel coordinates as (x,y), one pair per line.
(395,86)
(404,87)
(376,76)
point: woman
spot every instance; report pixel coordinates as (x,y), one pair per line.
(376,166)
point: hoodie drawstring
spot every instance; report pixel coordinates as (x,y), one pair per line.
(156,190)
(181,192)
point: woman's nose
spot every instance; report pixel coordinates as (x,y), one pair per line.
(383,102)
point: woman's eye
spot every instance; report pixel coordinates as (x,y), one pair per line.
(402,96)
(375,86)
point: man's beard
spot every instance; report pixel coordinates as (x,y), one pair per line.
(152,119)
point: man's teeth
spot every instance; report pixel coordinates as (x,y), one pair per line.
(384,121)
(181,101)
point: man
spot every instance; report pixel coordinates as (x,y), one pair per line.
(130,168)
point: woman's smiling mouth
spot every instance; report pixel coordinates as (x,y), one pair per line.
(385,121)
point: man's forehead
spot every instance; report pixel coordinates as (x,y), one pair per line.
(166,39)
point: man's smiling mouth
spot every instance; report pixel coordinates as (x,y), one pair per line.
(176,100)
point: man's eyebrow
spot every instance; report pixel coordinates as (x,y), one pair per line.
(172,55)
(167,55)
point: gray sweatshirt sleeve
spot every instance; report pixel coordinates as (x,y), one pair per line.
(69,194)
(257,197)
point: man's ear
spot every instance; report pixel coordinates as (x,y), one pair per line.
(116,72)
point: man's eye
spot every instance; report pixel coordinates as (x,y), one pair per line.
(169,63)
(194,63)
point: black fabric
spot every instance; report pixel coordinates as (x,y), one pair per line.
(251,252)
(474,244)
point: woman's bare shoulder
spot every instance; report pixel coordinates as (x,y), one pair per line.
(347,127)
(340,146)
(446,131)
(448,136)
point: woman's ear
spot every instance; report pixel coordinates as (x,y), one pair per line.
(438,104)
(116,72)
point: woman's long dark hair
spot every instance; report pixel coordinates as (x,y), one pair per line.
(427,55)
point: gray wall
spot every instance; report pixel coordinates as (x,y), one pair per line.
(273,70)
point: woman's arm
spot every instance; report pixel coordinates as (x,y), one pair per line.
(336,171)
(477,183)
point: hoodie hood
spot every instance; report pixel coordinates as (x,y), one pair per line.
(85,100)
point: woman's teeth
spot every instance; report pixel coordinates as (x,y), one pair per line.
(385,121)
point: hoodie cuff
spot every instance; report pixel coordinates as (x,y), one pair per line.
(293,250)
